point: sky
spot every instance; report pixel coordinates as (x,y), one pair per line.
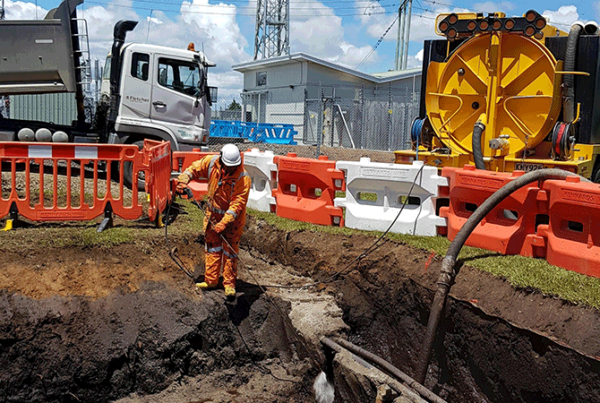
(339,31)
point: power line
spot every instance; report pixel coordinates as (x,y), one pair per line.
(378,43)
(228,6)
(295,2)
(234,13)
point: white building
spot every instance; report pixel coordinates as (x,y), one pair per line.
(347,106)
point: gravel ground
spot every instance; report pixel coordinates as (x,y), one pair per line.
(36,181)
(334,153)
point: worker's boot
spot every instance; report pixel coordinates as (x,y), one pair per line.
(206,286)
(230,292)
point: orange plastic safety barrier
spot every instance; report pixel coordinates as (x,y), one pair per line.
(507,228)
(31,186)
(182,160)
(306,189)
(158,178)
(572,236)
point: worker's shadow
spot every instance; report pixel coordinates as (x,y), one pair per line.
(239,307)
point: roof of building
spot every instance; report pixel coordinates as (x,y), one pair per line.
(303,57)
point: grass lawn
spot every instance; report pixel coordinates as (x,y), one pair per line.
(520,271)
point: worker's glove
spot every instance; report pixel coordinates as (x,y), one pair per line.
(181,188)
(220,227)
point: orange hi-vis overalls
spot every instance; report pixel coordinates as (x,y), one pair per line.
(227,198)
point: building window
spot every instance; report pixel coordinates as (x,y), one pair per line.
(261,78)
(139,66)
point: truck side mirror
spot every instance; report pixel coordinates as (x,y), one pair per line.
(201,86)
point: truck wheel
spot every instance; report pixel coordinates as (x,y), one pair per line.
(128,172)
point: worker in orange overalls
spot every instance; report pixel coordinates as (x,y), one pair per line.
(228,189)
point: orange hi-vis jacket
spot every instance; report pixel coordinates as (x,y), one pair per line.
(227,195)
(227,198)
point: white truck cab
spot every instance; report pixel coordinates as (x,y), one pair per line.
(162,93)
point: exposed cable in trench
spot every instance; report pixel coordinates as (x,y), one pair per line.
(336,344)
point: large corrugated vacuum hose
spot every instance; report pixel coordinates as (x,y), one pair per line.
(477,149)
(447,273)
(569,80)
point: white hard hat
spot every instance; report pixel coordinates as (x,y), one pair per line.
(230,155)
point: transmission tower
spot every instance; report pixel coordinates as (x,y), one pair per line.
(272,29)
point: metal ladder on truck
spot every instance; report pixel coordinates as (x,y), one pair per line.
(82,61)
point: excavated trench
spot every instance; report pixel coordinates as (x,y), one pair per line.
(496,344)
(126,325)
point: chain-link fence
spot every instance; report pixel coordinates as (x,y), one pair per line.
(349,117)
(227,109)
(375,121)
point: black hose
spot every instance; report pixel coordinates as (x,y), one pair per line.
(477,151)
(387,367)
(569,80)
(447,273)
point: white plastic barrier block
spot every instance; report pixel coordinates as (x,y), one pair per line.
(376,191)
(260,167)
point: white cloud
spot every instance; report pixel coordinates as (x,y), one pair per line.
(563,17)
(352,56)
(19,10)
(492,6)
(322,35)
(153,20)
(419,55)
(375,20)
(416,60)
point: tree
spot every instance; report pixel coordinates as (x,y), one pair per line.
(234,106)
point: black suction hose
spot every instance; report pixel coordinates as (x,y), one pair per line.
(386,366)
(477,151)
(569,80)
(447,273)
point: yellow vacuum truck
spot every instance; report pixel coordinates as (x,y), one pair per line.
(508,94)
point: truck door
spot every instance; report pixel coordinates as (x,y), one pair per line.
(137,86)
(174,95)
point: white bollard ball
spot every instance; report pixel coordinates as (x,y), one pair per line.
(43,135)
(26,134)
(60,137)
